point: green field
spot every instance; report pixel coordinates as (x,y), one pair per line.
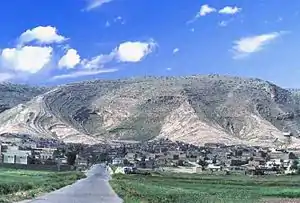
(17,185)
(175,188)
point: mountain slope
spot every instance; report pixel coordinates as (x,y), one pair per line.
(14,94)
(195,109)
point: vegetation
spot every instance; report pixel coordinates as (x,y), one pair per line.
(170,188)
(16,185)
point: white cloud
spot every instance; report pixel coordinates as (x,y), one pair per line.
(230,10)
(175,50)
(247,45)
(169,69)
(126,52)
(81,73)
(69,60)
(30,59)
(134,51)
(41,35)
(204,10)
(98,61)
(92,4)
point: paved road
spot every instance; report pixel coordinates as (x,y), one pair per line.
(93,189)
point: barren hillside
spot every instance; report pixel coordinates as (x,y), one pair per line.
(195,109)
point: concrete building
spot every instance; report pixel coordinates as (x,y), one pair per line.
(16,157)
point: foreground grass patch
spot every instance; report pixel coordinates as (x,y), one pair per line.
(17,185)
(177,188)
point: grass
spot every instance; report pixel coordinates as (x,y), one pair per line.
(17,185)
(177,188)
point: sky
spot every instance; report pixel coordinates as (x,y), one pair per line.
(56,42)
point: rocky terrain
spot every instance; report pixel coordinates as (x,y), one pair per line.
(194,109)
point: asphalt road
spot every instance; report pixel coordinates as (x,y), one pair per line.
(93,189)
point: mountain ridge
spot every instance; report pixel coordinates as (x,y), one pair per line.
(195,109)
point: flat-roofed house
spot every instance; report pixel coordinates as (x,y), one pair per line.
(16,157)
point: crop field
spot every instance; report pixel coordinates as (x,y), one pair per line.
(179,188)
(17,185)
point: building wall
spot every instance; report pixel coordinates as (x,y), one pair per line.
(8,158)
(22,159)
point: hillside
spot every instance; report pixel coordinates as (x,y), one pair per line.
(195,109)
(14,94)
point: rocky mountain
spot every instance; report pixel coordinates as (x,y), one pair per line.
(14,94)
(195,109)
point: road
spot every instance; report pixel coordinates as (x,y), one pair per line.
(93,189)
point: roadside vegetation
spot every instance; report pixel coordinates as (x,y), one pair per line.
(177,188)
(17,185)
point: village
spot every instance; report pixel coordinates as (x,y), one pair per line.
(157,155)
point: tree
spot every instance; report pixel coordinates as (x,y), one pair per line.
(294,165)
(202,163)
(126,162)
(215,159)
(71,157)
(103,157)
(292,156)
(180,162)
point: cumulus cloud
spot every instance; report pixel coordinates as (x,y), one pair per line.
(134,51)
(204,10)
(248,45)
(70,59)
(126,52)
(81,73)
(230,10)
(29,59)
(41,35)
(92,4)
(175,50)
(98,61)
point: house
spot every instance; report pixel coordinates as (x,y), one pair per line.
(117,161)
(237,162)
(197,169)
(81,163)
(16,157)
(150,163)
(213,167)
(8,158)
(125,170)
(131,156)
(45,155)
(254,163)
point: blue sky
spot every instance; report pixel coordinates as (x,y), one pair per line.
(54,42)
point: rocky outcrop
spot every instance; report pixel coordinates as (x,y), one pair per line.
(195,109)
